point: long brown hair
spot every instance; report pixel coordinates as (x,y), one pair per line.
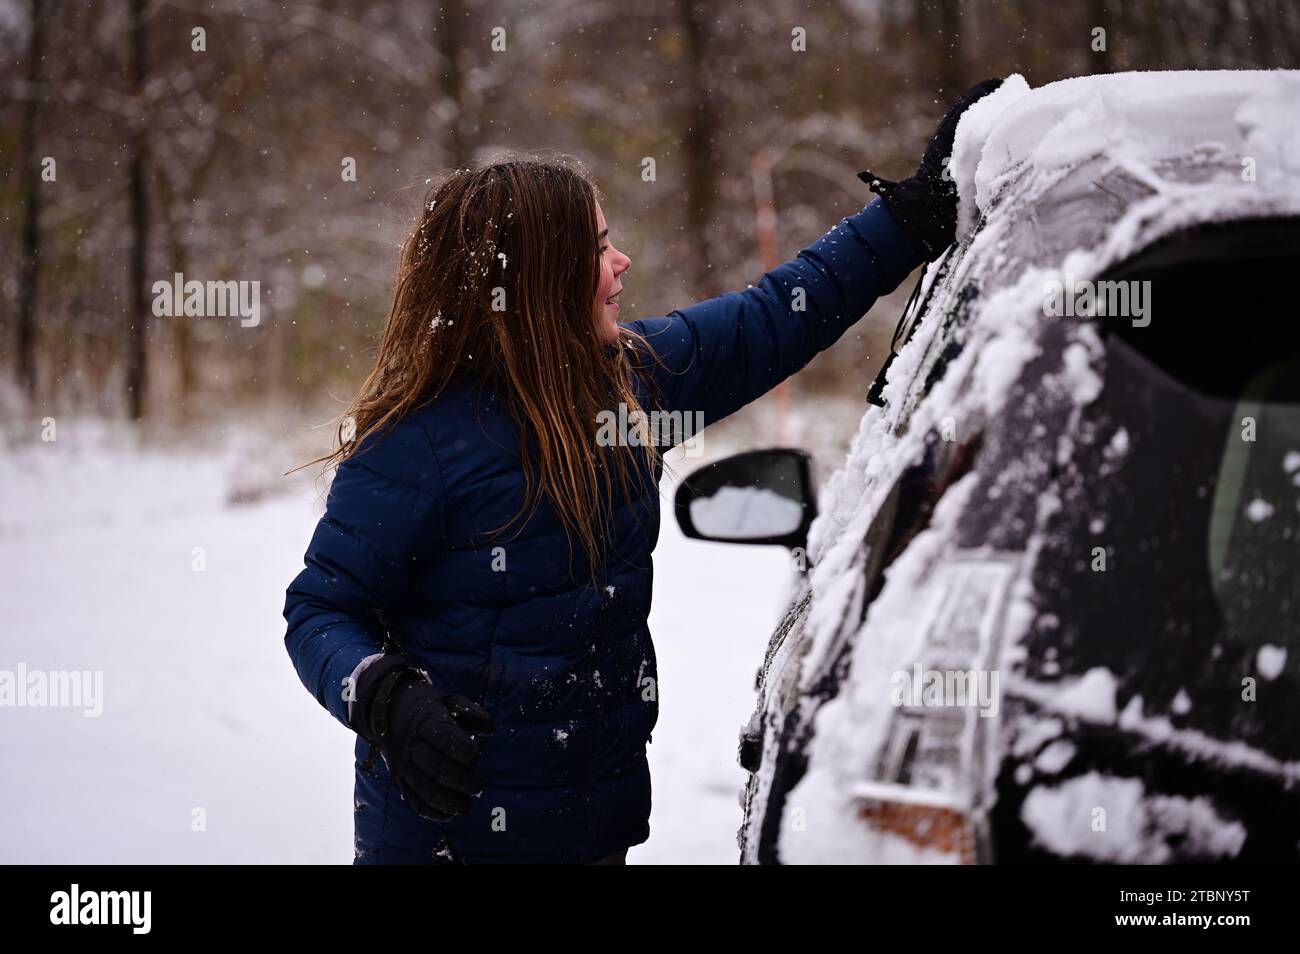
(497,285)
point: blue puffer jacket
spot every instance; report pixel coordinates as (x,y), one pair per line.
(568,670)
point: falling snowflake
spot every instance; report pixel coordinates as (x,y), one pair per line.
(1270,660)
(1259,510)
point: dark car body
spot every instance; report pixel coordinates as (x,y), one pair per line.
(1095,517)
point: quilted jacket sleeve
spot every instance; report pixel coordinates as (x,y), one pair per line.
(720,354)
(384,515)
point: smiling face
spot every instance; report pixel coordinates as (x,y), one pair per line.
(613,264)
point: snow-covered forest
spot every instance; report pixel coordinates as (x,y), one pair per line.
(288,144)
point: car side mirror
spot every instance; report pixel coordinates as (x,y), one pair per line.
(759,497)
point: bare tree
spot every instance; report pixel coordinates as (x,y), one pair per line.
(703,120)
(447,34)
(138,302)
(30,270)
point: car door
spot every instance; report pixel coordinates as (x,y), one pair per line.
(774,741)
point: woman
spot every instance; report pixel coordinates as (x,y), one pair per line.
(474,600)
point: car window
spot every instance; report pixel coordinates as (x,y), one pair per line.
(1254,530)
(1173,558)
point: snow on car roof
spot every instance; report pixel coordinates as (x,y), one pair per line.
(1139,115)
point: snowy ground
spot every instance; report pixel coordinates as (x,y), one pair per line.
(203,717)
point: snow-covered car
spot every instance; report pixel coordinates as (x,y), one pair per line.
(1052,607)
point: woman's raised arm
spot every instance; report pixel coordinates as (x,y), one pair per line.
(722,353)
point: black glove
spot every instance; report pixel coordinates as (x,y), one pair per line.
(424,734)
(925,206)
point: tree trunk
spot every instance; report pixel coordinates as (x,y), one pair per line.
(448,21)
(138,302)
(30,271)
(697,143)
(951,74)
(183,339)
